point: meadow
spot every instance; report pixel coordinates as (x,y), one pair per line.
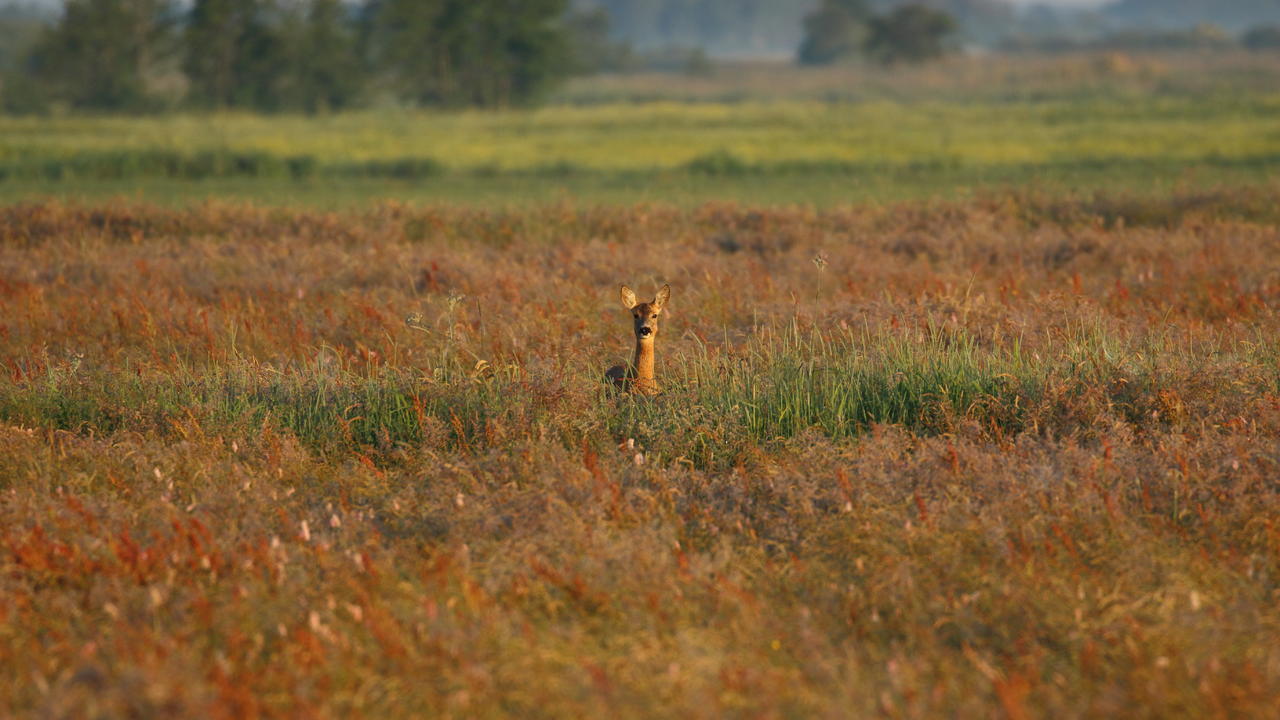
(762,135)
(1005,456)
(971,407)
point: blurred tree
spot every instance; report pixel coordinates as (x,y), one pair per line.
(310,55)
(909,33)
(100,54)
(321,68)
(534,45)
(980,22)
(1262,38)
(400,40)
(593,50)
(469,52)
(233,55)
(833,32)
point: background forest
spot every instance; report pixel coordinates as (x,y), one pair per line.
(326,55)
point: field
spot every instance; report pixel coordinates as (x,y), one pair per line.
(757,135)
(956,449)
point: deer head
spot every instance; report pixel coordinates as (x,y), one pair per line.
(646,314)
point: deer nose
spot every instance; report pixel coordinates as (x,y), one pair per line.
(645,331)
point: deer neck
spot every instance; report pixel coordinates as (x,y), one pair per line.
(644,362)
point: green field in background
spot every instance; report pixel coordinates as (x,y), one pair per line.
(783,151)
(668,135)
(670,188)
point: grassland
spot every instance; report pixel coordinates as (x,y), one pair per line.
(1010,456)
(765,136)
(665,136)
(971,402)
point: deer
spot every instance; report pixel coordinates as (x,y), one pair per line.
(638,379)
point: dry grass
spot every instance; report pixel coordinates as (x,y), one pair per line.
(235,482)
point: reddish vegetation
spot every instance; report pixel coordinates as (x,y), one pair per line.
(505,550)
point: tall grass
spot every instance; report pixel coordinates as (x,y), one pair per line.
(717,404)
(842,385)
(1009,456)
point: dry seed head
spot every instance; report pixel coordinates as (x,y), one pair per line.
(416,321)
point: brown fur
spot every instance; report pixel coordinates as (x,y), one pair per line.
(639,378)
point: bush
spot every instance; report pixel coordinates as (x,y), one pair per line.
(1266,37)
(405,168)
(911,33)
(127,164)
(833,32)
(718,162)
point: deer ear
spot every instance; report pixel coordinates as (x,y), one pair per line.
(663,296)
(628,297)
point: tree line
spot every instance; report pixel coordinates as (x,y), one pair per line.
(919,30)
(841,29)
(325,55)
(774,27)
(293,55)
